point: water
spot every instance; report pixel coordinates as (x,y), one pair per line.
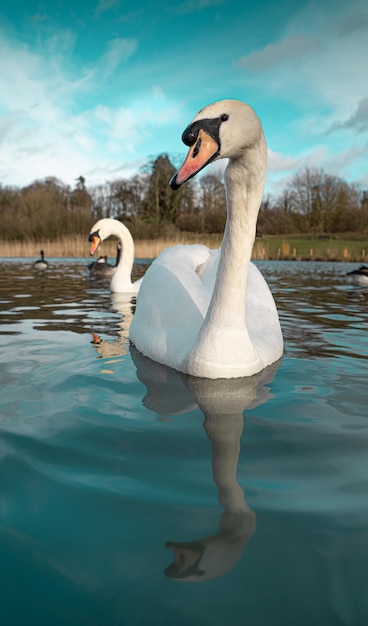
(120,481)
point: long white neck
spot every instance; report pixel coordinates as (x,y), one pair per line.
(223,347)
(123,272)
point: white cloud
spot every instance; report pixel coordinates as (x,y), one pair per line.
(106,170)
(30,79)
(280,163)
(347,159)
(192,6)
(118,51)
(339,163)
(119,129)
(291,50)
(282,168)
(41,131)
(97,140)
(358,120)
(106,5)
(320,59)
(316,70)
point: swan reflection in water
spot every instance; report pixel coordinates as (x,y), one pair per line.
(124,304)
(222,402)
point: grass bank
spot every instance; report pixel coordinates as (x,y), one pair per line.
(341,248)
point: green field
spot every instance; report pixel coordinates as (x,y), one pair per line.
(336,248)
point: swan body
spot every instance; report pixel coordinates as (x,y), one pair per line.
(360,276)
(121,281)
(209,313)
(41,264)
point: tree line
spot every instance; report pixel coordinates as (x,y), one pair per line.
(312,202)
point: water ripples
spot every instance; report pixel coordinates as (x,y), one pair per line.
(105,457)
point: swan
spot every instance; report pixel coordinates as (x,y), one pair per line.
(101,268)
(121,281)
(209,313)
(360,276)
(41,264)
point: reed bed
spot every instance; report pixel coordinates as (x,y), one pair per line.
(78,247)
(265,248)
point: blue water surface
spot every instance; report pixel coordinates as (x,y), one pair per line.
(132,495)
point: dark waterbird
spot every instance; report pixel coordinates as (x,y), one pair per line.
(101,268)
(41,264)
(359,276)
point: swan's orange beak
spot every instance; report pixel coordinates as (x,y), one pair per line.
(200,153)
(95,242)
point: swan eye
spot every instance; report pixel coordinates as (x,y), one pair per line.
(224,117)
(190,135)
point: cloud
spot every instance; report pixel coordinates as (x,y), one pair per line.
(46,131)
(348,164)
(42,130)
(318,61)
(282,167)
(315,71)
(354,22)
(291,50)
(30,78)
(106,5)
(108,171)
(280,163)
(192,6)
(96,140)
(57,116)
(119,129)
(343,161)
(118,51)
(358,121)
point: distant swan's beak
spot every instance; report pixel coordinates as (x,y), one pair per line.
(204,150)
(95,242)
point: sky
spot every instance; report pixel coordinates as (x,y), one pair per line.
(97,88)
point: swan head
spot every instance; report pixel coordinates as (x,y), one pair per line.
(99,232)
(94,239)
(223,129)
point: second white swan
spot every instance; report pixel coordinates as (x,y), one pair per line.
(210,313)
(121,281)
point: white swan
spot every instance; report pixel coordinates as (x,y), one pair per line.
(206,325)
(121,281)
